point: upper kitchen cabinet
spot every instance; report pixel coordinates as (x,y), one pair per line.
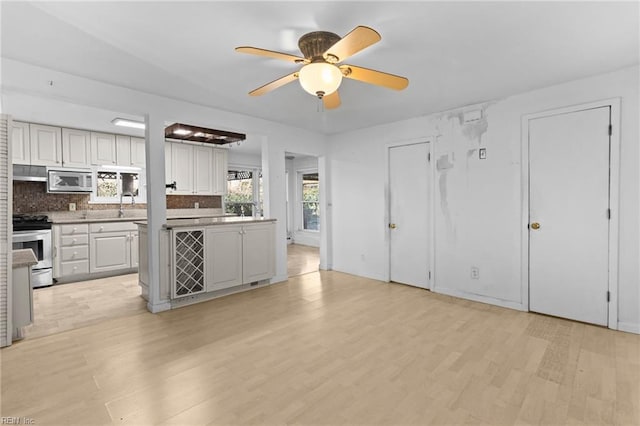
(203,170)
(167,166)
(45,145)
(21,151)
(123,150)
(182,169)
(76,148)
(220,170)
(138,158)
(103,149)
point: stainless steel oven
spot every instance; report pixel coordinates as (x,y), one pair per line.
(36,236)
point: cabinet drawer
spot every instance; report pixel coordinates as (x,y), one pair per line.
(74,229)
(97,228)
(74,240)
(72,268)
(74,253)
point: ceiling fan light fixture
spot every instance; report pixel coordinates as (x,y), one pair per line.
(320,78)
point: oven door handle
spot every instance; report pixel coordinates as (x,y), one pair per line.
(23,238)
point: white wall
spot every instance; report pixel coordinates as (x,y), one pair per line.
(478,202)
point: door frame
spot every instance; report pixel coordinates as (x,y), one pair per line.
(430,198)
(614,190)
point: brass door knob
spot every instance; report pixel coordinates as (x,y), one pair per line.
(392,225)
(535,225)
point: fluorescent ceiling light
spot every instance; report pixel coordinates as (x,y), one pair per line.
(128,123)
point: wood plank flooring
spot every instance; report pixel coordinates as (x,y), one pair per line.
(327,348)
(302,259)
(68,306)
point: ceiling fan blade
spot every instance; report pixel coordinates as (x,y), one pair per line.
(331,101)
(378,78)
(359,38)
(274,84)
(270,54)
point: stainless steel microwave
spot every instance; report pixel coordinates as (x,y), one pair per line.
(69,180)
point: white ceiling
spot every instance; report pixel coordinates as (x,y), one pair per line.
(454,53)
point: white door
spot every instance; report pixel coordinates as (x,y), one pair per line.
(138,158)
(220,170)
(123,150)
(76,148)
(568,215)
(224,257)
(182,167)
(409,214)
(258,261)
(110,251)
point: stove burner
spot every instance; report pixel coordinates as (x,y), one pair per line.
(30,222)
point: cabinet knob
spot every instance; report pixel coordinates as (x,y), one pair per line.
(75,253)
(75,229)
(101,228)
(75,267)
(74,240)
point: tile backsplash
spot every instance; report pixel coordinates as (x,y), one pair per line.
(31,197)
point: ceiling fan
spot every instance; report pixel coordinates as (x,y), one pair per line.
(322,73)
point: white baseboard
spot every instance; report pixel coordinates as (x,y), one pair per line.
(159,307)
(629,327)
(278,279)
(478,298)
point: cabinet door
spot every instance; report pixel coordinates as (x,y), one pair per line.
(133,239)
(203,170)
(103,149)
(138,158)
(44,142)
(182,167)
(76,148)
(224,257)
(123,150)
(220,169)
(168,176)
(258,246)
(109,251)
(20,149)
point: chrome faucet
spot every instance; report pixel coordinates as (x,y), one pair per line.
(133,201)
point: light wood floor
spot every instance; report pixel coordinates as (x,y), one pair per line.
(302,259)
(327,348)
(68,306)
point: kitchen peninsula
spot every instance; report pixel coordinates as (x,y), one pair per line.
(208,257)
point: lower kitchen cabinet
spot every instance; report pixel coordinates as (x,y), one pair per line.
(81,250)
(224,257)
(110,251)
(221,256)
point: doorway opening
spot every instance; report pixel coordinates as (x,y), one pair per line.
(303,214)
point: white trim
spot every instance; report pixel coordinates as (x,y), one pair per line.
(158,307)
(278,279)
(479,298)
(429,140)
(629,327)
(614,204)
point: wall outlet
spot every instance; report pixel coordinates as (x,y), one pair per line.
(482,153)
(196,205)
(72,207)
(475,273)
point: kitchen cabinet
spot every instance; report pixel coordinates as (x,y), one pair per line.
(20,148)
(45,145)
(130,151)
(237,255)
(103,149)
(224,257)
(70,250)
(196,169)
(138,156)
(182,170)
(111,245)
(220,170)
(203,170)
(76,148)
(188,265)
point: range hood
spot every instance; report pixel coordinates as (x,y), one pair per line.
(29,173)
(187,132)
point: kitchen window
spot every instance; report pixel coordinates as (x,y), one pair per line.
(111,183)
(310,202)
(244,192)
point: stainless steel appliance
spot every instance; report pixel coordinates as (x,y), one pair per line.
(29,173)
(69,180)
(34,232)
